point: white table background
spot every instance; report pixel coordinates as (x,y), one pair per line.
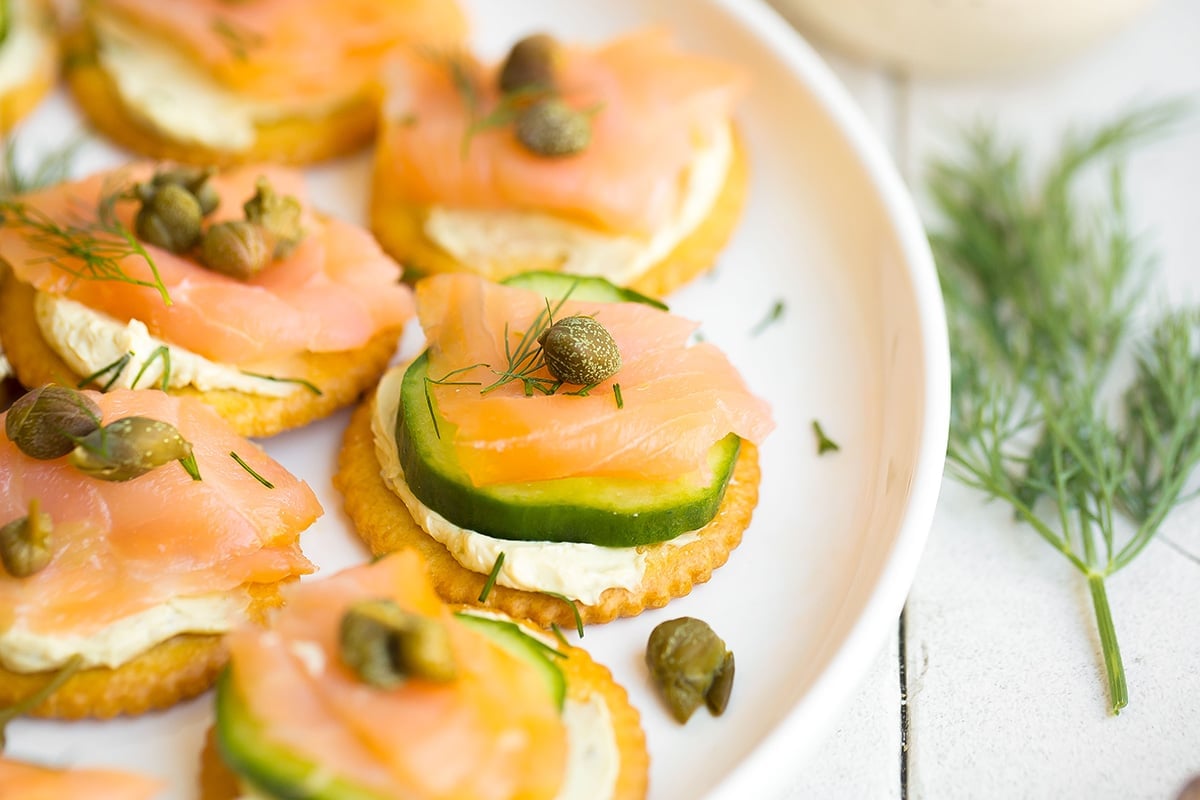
(1004,684)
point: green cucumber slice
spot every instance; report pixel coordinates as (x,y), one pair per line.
(554,285)
(509,636)
(610,512)
(278,772)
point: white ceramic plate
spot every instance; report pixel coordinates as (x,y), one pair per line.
(810,597)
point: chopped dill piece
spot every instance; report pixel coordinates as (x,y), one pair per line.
(617,395)
(574,610)
(491,578)
(445,381)
(190,466)
(558,634)
(299,381)
(773,316)
(116,368)
(824,443)
(241,463)
(237,38)
(30,702)
(163,352)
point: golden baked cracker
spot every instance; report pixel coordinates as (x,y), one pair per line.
(19,100)
(384,523)
(400,228)
(291,140)
(585,679)
(342,376)
(166,674)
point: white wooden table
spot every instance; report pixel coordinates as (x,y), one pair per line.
(1002,693)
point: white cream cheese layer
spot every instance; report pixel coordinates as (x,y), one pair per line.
(487,239)
(176,96)
(576,570)
(89,340)
(5,367)
(25,651)
(24,49)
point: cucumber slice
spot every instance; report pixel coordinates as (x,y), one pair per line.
(509,636)
(554,285)
(278,772)
(610,512)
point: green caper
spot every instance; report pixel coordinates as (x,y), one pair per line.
(690,665)
(550,127)
(25,542)
(45,422)
(169,218)
(129,448)
(236,248)
(531,64)
(385,645)
(195,180)
(280,215)
(580,350)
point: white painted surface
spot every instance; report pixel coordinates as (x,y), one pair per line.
(1007,697)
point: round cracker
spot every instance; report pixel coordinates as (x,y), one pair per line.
(385,525)
(342,376)
(166,674)
(586,679)
(342,130)
(19,100)
(400,228)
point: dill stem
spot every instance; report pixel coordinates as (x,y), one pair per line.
(1113,666)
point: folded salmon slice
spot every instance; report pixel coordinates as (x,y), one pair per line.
(679,398)
(121,548)
(293,49)
(493,733)
(652,105)
(31,782)
(333,293)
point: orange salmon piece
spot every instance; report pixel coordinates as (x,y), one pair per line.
(679,399)
(295,49)
(121,548)
(334,292)
(31,782)
(651,105)
(490,734)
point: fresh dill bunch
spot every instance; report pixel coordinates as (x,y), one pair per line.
(53,167)
(1040,290)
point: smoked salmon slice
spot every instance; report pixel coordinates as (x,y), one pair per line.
(678,398)
(492,733)
(652,106)
(293,49)
(121,548)
(333,293)
(20,781)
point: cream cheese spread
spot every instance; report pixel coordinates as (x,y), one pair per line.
(487,239)
(5,367)
(579,571)
(25,47)
(172,93)
(89,340)
(112,646)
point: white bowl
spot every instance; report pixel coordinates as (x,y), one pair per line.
(959,37)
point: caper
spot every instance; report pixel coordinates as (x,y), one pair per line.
(25,542)
(128,448)
(236,248)
(550,127)
(690,665)
(580,350)
(385,645)
(531,64)
(169,218)
(195,180)
(280,215)
(45,423)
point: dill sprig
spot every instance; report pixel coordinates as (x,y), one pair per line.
(53,167)
(523,362)
(824,443)
(85,249)
(27,704)
(241,462)
(491,578)
(1039,293)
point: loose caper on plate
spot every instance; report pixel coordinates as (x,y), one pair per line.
(691,666)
